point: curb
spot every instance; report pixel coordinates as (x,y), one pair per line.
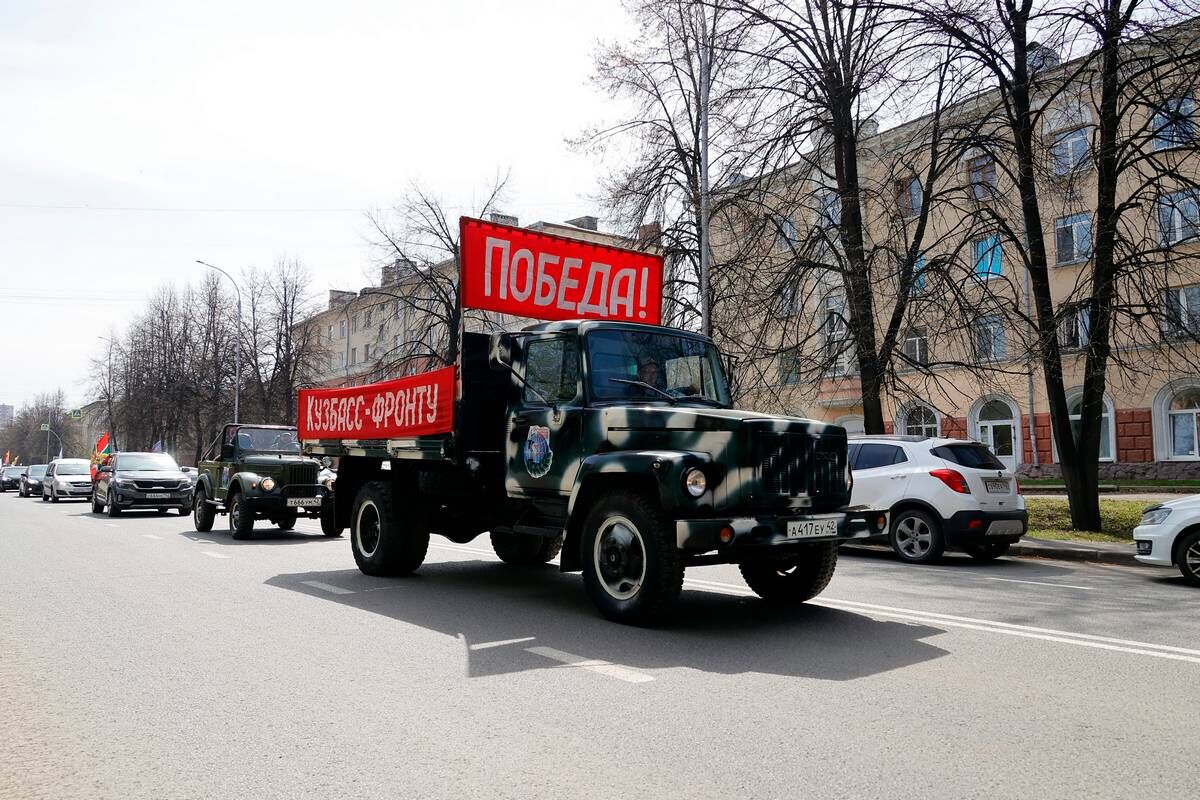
(1093,555)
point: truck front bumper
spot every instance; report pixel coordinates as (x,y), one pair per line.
(299,498)
(770,531)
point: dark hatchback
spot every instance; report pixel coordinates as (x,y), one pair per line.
(10,477)
(141,480)
(31,480)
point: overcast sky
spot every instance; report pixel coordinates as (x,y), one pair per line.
(137,137)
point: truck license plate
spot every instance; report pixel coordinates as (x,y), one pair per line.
(158,496)
(996,487)
(304,501)
(811,528)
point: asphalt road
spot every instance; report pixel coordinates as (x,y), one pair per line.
(141,659)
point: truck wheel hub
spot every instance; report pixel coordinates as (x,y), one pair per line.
(620,558)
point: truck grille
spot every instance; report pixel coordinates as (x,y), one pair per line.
(789,461)
(299,474)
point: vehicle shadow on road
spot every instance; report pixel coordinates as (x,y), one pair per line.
(487,605)
(262,536)
(956,560)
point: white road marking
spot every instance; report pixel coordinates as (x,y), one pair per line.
(214,555)
(112,524)
(150,536)
(326,587)
(591,664)
(1043,583)
(501,643)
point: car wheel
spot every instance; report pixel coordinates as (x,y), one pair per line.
(987,551)
(53,495)
(114,510)
(916,537)
(203,513)
(241,519)
(1189,558)
(793,580)
(97,506)
(45,497)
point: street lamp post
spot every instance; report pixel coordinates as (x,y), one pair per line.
(237,350)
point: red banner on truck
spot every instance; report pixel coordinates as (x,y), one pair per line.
(530,274)
(414,406)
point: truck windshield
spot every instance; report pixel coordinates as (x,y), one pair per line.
(654,366)
(267,440)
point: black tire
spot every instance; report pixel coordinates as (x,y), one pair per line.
(631,568)
(916,537)
(21,492)
(384,542)
(97,506)
(184,510)
(286,522)
(795,579)
(53,495)
(329,523)
(525,550)
(241,519)
(986,551)
(203,512)
(1188,558)
(110,503)
(45,499)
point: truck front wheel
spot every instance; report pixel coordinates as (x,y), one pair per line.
(385,541)
(524,549)
(794,580)
(631,567)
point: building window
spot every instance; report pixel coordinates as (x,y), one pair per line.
(916,347)
(831,209)
(1179,216)
(1074,328)
(342,329)
(789,366)
(908,196)
(786,235)
(341,360)
(918,281)
(370,313)
(379,335)
(397,342)
(1106,429)
(987,257)
(1183,424)
(1069,151)
(838,353)
(982,171)
(1073,238)
(991,342)
(920,420)
(1181,313)
(366,353)
(330,336)
(353,356)
(1174,123)
(789,299)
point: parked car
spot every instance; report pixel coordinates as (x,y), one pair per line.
(31,480)
(141,480)
(1169,535)
(10,477)
(67,477)
(938,493)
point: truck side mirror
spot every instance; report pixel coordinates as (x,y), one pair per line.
(500,352)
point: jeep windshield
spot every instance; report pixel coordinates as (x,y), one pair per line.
(644,366)
(267,440)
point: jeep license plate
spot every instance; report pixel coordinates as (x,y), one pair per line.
(811,528)
(158,496)
(304,501)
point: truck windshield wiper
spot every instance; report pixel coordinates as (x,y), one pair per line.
(672,399)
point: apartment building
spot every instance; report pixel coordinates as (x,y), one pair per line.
(962,364)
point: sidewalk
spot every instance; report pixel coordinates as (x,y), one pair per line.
(1101,552)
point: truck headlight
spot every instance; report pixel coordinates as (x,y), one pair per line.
(268,484)
(695,482)
(1155,516)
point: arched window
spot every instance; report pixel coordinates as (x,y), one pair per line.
(920,420)
(1106,425)
(1183,424)
(995,424)
(853,423)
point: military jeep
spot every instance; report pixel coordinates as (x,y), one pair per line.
(253,472)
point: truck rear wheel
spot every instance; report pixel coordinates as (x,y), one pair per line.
(793,580)
(385,541)
(631,567)
(524,549)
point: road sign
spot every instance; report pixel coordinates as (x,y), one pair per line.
(76,413)
(45,426)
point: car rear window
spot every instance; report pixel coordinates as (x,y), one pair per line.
(971,456)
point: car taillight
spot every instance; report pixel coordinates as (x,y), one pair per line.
(952,478)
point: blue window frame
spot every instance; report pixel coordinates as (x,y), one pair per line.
(987,258)
(918,284)
(1174,123)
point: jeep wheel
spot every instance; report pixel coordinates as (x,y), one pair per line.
(203,513)
(1189,558)
(384,541)
(241,518)
(795,579)
(114,510)
(631,568)
(916,537)
(987,551)
(525,550)
(97,505)
(286,522)
(329,523)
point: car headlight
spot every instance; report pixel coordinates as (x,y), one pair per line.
(695,482)
(1155,516)
(268,484)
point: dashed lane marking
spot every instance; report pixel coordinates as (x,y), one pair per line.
(326,587)
(591,664)
(211,554)
(1043,583)
(501,643)
(150,536)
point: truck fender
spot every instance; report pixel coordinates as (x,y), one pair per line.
(204,482)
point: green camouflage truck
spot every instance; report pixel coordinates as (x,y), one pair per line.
(612,445)
(253,472)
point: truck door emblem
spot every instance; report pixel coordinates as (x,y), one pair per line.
(538,455)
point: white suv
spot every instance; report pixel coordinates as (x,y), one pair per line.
(1169,535)
(939,493)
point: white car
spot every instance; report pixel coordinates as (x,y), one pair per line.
(938,493)
(1169,536)
(67,478)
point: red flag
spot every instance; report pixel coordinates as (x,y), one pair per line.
(102,444)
